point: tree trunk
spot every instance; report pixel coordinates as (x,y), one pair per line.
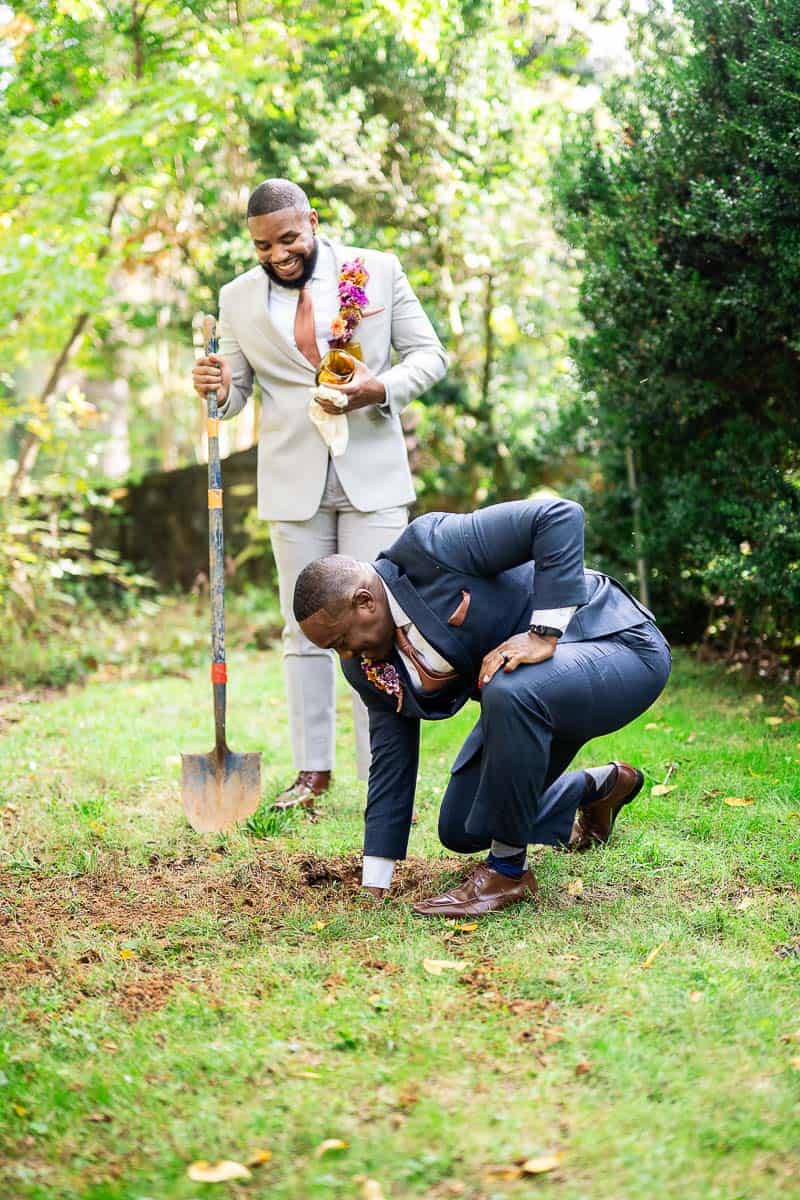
(638,536)
(31,441)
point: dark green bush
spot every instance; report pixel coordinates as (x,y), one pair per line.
(688,223)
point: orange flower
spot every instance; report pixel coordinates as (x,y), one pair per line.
(338,327)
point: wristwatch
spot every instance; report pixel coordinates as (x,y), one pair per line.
(545,631)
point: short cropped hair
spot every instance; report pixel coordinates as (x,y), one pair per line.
(326,583)
(275,194)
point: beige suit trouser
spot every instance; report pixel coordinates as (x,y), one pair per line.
(335,528)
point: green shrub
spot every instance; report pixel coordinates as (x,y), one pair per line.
(687,223)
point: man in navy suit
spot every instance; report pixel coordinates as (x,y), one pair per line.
(496,606)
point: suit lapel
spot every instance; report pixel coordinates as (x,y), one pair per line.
(435,630)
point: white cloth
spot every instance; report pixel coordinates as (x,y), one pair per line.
(292,457)
(556,618)
(333,428)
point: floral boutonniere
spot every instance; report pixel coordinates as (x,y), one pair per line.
(384,677)
(353,278)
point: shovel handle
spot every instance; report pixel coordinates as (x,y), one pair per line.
(216,548)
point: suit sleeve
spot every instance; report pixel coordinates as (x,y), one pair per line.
(548,533)
(241,371)
(423,360)
(394,744)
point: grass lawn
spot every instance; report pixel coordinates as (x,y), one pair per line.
(167,998)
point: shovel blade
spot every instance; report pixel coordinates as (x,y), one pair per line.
(218,790)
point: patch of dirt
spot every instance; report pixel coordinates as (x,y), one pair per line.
(414,879)
(145,994)
(119,901)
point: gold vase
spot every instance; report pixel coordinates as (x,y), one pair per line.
(337,366)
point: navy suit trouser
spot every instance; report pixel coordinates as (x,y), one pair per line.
(534,721)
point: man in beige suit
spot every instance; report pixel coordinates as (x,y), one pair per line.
(274,325)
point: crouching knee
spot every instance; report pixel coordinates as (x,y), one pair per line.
(455,837)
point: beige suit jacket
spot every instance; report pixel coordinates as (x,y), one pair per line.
(292,457)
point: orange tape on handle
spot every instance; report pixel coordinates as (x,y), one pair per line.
(219,673)
(212,427)
(215,497)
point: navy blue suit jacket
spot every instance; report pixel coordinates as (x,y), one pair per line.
(488,571)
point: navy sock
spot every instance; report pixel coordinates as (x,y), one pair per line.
(513,865)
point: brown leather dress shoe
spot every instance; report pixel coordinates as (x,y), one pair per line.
(304,791)
(483,891)
(595,820)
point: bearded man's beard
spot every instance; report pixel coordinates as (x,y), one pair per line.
(309,263)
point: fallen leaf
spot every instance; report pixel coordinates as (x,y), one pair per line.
(259,1157)
(126,953)
(795,1062)
(695,997)
(19,1109)
(575,887)
(652,725)
(652,956)
(99,1117)
(583,1067)
(219,1172)
(663,789)
(738,801)
(791,1037)
(792,704)
(542,1164)
(773,721)
(437,966)
(372,1190)
(319,924)
(328,1146)
(503,1171)
(469,928)
(691,738)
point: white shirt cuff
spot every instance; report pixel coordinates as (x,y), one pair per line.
(377,872)
(556,618)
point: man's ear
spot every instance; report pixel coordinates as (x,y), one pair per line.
(313,218)
(363,598)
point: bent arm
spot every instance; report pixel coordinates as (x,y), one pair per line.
(423,360)
(394,744)
(547,532)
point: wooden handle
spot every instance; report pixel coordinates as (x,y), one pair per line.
(216,547)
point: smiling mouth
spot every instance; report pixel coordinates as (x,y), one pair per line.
(287,267)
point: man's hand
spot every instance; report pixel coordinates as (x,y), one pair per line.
(376,895)
(362,390)
(522,648)
(209,373)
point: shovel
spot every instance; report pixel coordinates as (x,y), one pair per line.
(220,788)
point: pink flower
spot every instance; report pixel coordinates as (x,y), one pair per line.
(353,278)
(384,677)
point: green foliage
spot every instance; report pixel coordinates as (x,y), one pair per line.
(133,133)
(54,584)
(686,219)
